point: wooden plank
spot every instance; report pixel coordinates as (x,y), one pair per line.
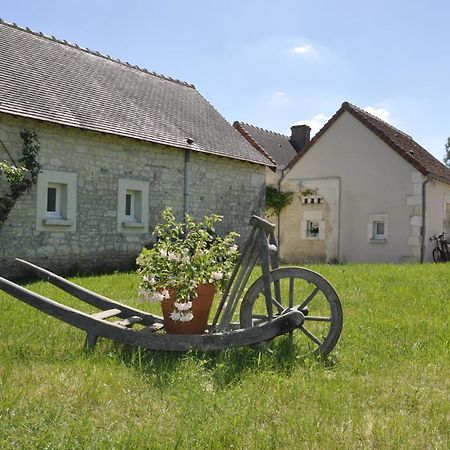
(219,341)
(239,263)
(87,296)
(262,224)
(265,269)
(106,314)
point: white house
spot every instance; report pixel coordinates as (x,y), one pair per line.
(365,192)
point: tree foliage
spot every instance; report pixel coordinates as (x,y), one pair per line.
(277,200)
(447,153)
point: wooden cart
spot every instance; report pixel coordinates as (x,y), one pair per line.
(282,300)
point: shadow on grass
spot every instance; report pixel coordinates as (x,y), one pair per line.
(282,355)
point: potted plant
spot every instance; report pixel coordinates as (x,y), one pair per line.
(184,268)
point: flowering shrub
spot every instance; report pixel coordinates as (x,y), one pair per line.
(185,256)
(11,172)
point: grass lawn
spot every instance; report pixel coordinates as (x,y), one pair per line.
(385,386)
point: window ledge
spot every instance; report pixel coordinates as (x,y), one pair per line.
(133,225)
(57,222)
(378,241)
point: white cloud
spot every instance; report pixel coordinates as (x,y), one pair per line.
(381,113)
(316,123)
(302,49)
(280,97)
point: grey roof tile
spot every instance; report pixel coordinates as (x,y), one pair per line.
(276,145)
(52,80)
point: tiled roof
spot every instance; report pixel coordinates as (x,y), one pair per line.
(275,145)
(47,79)
(400,142)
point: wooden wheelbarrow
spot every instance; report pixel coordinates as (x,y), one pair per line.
(280,301)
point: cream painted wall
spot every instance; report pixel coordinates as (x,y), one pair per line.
(374,180)
(272,178)
(295,246)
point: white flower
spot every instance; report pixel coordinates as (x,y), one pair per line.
(143,294)
(233,248)
(217,275)
(183,306)
(165,294)
(186,317)
(181,316)
(150,280)
(173,257)
(156,297)
(175,315)
(163,253)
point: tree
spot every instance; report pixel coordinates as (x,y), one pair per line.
(447,153)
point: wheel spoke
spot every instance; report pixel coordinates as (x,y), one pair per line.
(310,335)
(291,292)
(309,298)
(318,318)
(278,305)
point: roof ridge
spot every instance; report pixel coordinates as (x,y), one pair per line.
(263,129)
(363,111)
(94,53)
(251,140)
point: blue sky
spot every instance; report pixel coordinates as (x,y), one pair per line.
(276,63)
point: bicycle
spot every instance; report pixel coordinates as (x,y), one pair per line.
(440,252)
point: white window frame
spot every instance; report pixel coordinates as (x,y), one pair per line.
(372,232)
(137,220)
(309,217)
(64,216)
(376,234)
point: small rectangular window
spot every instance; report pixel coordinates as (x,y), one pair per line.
(312,228)
(130,205)
(54,200)
(51,199)
(378,230)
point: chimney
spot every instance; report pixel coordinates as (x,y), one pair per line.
(300,136)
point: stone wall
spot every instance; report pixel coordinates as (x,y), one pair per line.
(220,185)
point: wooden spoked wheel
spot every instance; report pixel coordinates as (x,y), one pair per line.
(298,288)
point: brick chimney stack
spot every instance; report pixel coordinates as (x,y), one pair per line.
(300,136)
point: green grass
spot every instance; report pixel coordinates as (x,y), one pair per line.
(385,386)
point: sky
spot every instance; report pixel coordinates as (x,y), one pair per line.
(277,63)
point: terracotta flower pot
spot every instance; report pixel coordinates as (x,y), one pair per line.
(201,307)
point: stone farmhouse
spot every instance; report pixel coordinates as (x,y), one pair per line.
(118,145)
(364,191)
